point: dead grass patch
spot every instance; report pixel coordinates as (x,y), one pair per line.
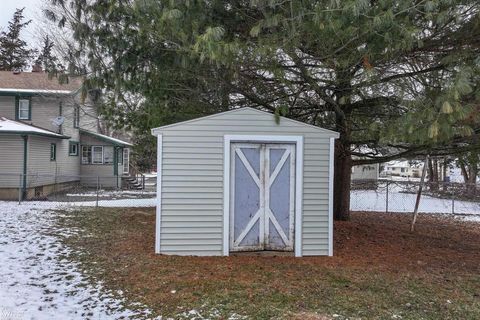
(380,270)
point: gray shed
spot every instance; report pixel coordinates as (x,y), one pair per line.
(240,181)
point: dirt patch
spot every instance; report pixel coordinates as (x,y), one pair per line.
(384,241)
(380,270)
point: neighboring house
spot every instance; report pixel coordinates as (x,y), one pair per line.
(403,169)
(49,139)
(365,172)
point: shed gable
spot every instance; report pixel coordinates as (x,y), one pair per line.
(245,116)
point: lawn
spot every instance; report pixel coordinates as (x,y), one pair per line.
(380,271)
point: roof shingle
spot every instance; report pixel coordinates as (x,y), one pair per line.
(36,81)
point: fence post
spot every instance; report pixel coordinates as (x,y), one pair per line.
(55,185)
(98,189)
(386,198)
(453,198)
(20,189)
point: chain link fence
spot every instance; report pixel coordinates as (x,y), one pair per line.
(140,191)
(400,196)
(81,190)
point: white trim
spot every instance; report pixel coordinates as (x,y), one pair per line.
(299,197)
(298,140)
(20,101)
(37,91)
(126,164)
(77,145)
(158,212)
(226,196)
(103,161)
(330,195)
(157,131)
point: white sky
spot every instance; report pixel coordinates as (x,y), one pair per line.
(33,11)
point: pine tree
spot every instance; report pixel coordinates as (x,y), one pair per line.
(387,75)
(46,59)
(14,52)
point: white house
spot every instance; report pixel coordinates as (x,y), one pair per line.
(50,140)
(240,181)
(365,172)
(403,168)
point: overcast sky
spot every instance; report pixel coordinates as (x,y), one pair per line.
(32,11)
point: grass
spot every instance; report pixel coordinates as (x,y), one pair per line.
(380,270)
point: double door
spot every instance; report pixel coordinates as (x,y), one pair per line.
(262,195)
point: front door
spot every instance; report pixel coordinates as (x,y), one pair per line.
(262,191)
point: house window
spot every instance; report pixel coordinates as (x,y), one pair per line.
(23,109)
(73,149)
(76,117)
(53,152)
(86,154)
(97,155)
(108,155)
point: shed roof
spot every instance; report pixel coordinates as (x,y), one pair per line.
(8,126)
(114,141)
(157,131)
(36,82)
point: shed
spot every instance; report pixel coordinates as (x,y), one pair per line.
(241,181)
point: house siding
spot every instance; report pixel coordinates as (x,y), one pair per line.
(365,172)
(11,160)
(7,107)
(192,181)
(42,171)
(104,172)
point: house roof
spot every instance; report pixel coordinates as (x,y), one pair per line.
(114,141)
(156,131)
(8,126)
(404,164)
(36,82)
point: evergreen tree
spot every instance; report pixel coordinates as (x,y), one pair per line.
(46,59)
(14,52)
(389,75)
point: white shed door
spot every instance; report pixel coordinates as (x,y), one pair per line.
(262,191)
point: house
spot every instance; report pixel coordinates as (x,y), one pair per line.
(241,181)
(403,168)
(50,140)
(365,172)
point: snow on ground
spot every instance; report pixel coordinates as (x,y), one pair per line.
(371,200)
(110,193)
(36,281)
(129,203)
(150,174)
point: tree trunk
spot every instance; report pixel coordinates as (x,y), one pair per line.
(342,180)
(472,179)
(435,175)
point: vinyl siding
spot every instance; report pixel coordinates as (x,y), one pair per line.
(192,181)
(7,107)
(105,172)
(43,171)
(11,160)
(46,108)
(365,172)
